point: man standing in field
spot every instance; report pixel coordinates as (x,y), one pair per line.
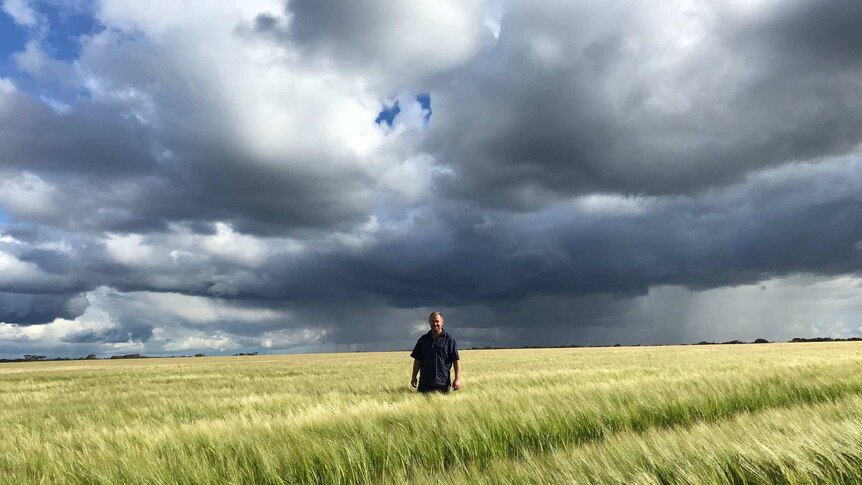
(434,355)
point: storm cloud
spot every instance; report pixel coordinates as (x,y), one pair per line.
(215,177)
(576,98)
(26,309)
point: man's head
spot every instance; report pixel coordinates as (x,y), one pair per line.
(435,321)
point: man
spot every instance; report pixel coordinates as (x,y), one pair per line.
(434,355)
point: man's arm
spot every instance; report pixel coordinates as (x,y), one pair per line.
(457,384)
(414,381)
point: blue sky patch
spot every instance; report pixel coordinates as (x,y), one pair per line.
(12,39)
(67,26)
(389,112)
(61,40)
(424,100)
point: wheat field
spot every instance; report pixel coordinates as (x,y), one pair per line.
(771,413)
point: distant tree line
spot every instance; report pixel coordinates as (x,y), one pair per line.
(733,342)
(702,342)
(827,339)
(42,358)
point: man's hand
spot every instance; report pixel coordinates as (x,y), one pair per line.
(417,364)
(457,384)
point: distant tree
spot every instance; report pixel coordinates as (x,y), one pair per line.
(90,357)
(816,339)
(761,341)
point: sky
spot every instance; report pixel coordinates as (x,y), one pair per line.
(302,176)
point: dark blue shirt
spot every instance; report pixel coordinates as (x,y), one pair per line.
(436,357)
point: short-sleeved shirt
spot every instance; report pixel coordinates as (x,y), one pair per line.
(436,358)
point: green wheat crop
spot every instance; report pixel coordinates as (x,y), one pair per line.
(778,413)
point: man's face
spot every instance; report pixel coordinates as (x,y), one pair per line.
(436,323)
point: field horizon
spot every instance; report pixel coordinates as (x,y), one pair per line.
(759,341)
(768,413)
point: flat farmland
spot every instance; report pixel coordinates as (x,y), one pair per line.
(769,413)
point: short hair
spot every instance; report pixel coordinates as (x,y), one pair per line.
(435,314)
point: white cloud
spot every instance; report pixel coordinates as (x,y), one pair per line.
(493,15)
(60,246)
(179,246)
(200,309)
(52,334)
(12,333)
(58,107)
(7,86)
(214,342)
(428,37)
(175,319)
(131,249)
(21,12)
(242,249)
(611,204)
(158,17)
(32,59)
(12,269)
(6,238)
(28,196)
(292,338)
(412,178)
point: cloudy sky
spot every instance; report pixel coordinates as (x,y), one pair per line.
(302,176)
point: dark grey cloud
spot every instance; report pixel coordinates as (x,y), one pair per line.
(392,43)
(29,309)
(817,35)
(576,98)
(773,225)
(799,219)
(740,235)
(342,28)
(95,140)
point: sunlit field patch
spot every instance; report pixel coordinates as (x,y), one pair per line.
(696,414)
